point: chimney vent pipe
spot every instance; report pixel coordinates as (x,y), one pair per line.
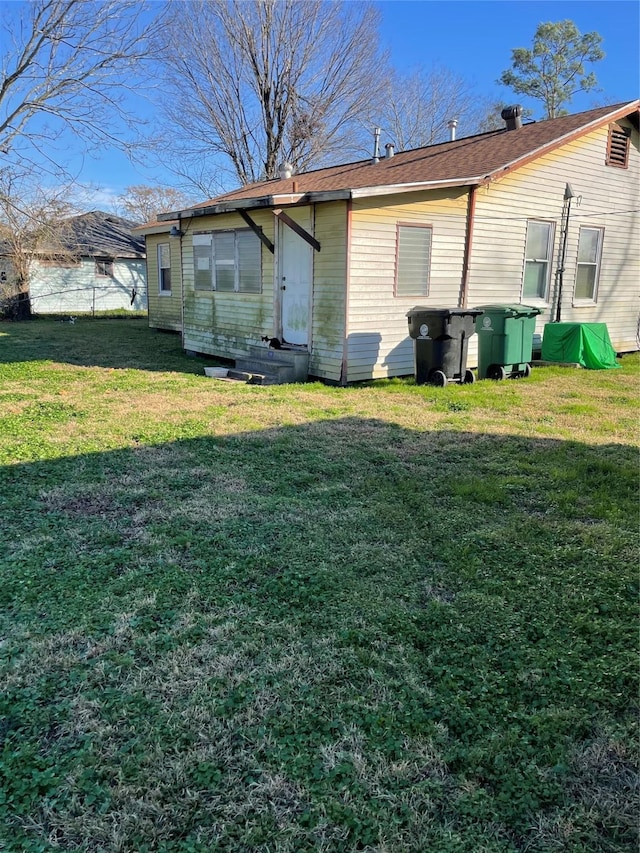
(376,145)
(453,123)
(389,152)
(285,170)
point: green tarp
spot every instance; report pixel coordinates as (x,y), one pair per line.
(587,344)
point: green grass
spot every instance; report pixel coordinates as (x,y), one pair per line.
(383,618)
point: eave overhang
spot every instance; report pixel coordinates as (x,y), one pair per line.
(290,199)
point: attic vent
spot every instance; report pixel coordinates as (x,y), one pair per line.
(512,116)
(618,146)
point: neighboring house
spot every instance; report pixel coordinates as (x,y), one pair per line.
(100,266)
(330,261)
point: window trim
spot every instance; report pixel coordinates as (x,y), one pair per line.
(618,138)
(425,226)
(213,266)
(580,301)
(540,300)
(163,291)
(108,266)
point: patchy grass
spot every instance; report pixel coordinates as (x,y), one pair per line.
(385,618)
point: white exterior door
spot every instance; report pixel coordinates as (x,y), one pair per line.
(296,276)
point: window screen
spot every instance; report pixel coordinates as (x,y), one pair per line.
(164,267)
(537,260)
(589,252)
(202,262)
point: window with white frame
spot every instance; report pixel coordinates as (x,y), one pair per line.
(164,267)
(588,268)
(413,260)
(228,261)
(537,264)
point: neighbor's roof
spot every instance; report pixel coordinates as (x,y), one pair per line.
(103,234)
(96,234)
(462,162)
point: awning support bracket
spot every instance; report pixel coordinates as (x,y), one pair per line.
(300,231)
(257,230)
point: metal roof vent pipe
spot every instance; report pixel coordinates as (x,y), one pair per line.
(376,145)
(512,116)
(285,170)
(452,124)
(389,151)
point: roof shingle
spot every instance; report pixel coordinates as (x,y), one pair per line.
(459,162)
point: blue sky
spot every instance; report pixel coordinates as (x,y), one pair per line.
(472,38)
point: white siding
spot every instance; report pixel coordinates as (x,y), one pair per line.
(378,340)
(56,288)
(609,200)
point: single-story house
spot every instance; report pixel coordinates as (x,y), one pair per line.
(97,263)
(330,261)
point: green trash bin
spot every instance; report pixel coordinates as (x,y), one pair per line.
(505,340)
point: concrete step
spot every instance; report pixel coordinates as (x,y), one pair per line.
(273,373)
(299,359)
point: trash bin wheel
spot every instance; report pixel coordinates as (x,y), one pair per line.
(439,378)
(469,377)
(527,371)
(497,372)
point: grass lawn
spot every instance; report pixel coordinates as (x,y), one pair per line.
(384,618)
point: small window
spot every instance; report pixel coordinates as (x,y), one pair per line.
(618,146)
(104,266)
(164,267)
(413,260)
(588,269)
(537,266)
(228,261)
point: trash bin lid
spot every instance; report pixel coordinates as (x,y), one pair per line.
(443,312)
(513,309)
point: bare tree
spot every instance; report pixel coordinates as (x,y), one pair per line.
(141,203)
(257,82)
(66,64)
(417,107)
(33,223)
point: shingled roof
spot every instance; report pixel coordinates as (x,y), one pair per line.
(103,235)
(462,162)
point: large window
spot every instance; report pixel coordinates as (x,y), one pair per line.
(589,254)
(164,267)
(227,261)
(537,265)
(413,260)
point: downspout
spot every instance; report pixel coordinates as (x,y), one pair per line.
(347,285)
(468,245)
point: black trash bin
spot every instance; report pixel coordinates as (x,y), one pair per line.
(441,338)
